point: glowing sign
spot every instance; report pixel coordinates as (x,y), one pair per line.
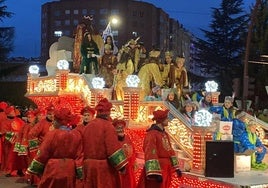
(203,118)
(34,69)
(63,64)
(211,86)
(132,81)
(45,86)
(98,83)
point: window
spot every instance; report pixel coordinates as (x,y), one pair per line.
(92,12)
(76,11)
(67,32)
(103,11)
(57,13)
(103,22)
(84,12)
(57,33)
(67,11)
(114,11)
(75,22)
(67,22)
(57,23)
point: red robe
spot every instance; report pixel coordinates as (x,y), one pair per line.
(128,178)
(159,158)
(11,160)
(103,155)
(59,158)
(22,147)
(38,132)
(2,118)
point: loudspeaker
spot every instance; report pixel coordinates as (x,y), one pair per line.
(219,159)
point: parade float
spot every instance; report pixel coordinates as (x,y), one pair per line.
(74,91)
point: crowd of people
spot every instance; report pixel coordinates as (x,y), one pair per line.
(102,58)
(53,147)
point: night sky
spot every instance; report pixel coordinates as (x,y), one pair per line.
(193,14)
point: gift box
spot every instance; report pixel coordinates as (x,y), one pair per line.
(226,127)
(242,163)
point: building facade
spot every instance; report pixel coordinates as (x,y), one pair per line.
(136,19)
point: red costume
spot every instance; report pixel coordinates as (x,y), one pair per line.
(103,154)
(3,116)
(127,178)
(160,159)
(60,155)
(9,129)
(88,114)
(38,132)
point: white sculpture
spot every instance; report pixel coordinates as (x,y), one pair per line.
(60,50)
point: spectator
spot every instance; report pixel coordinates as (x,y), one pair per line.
(188,112)
(250,141)
(227,110)
(206,102)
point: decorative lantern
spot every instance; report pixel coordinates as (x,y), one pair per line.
(212,86)
(201,134)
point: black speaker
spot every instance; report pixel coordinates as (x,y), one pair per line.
(219,159)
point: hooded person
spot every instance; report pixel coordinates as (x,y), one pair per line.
(127,178)
(104,157)
(53,153)
(160,158)
(249,140)
(227,110)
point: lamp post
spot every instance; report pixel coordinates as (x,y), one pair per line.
(245,75)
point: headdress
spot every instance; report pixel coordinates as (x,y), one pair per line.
(104,106)
(88,109)
(168,53)
(3,105)
(156,88)
(107,47)
(160,115)
(64,116)
(154,53)
(9,110)
(229,98)
(118,122)
(50,108)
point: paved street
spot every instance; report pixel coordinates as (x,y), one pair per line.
(13,182)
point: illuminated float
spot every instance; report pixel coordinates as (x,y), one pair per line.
(74,91)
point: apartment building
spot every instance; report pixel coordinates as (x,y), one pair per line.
(136,19)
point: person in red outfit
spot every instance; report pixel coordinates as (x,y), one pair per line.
(87,116)
(103,154)
(160,159)
(60,156)
(10,129)
(38,132)
(22,144)
(3,117)
(127,178)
